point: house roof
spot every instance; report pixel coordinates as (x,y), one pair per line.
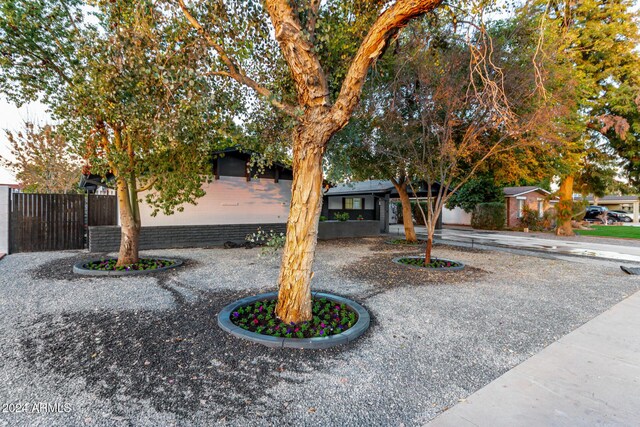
(613,198)
(359,187)
(519,191)
(377,186)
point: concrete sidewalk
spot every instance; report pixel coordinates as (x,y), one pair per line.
(589,377)
(625,250)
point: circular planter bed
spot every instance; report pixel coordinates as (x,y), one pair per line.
(106,267)
(438,264)
(403,242)
(336,321)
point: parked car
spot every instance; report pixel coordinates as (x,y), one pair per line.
(598,214)
(622,216)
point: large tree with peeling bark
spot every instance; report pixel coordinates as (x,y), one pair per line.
(320,109)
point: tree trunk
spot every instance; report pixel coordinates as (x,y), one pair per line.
(564,209)
(294,295)
(427,251)
(407,218)
(129,225)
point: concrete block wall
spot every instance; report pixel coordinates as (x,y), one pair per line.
(107,238)
(340,229)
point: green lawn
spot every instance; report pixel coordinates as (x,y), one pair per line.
(612,231)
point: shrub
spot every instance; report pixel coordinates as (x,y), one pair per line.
(489,216)
(323,218)
(270,241)
(530,219)
(341,216)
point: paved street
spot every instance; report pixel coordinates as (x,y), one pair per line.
(589,377)
(619,249)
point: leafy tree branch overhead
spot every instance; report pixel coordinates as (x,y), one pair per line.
(121,79)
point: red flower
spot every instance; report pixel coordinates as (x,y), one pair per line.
(255,321)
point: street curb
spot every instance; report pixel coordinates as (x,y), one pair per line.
(364,319)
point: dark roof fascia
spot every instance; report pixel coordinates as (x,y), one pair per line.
(238,150)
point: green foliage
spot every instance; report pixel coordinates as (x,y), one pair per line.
(592,65)
(323,218)
(341,216)
(124,82)
(476,190)
(489,216)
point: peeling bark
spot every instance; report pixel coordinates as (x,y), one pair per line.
(129,225)
(294,296)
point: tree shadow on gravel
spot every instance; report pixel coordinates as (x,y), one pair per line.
(380,271)
(179,361)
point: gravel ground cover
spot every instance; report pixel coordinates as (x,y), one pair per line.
(147,351)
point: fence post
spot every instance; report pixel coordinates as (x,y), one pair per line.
(5,211)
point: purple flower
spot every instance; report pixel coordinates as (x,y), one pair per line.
(260,309)
(236,314)
(322,325)
(322,332)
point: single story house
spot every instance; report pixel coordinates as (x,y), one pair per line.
(516,198)
(238,200)
(369,200)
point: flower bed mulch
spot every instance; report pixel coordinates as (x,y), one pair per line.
(435,262)
(406,242)
(107,267)
(329,318)
(142,264)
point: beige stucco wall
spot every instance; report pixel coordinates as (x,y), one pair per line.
(230,200)
(456,216)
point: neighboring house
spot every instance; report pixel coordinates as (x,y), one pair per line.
(237,201)
(516,198)
(367,199)
(630,204)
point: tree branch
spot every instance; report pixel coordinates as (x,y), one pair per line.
(314,8)
(386,27)
(308,75)
(234,70)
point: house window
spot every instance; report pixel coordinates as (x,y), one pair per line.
(353,203)
(520,203)
(540,208)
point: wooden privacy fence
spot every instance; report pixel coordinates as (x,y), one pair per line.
(102,210)
(51,222)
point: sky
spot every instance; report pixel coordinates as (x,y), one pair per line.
(12,118)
